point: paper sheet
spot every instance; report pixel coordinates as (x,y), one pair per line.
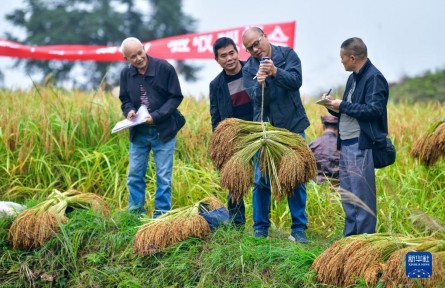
(125,124)
(323,101)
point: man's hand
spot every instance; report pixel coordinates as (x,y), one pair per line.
(149,119)
(132,115)
(267,68)
(261,77)
(334,104)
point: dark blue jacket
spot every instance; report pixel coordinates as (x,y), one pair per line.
(162,77)
(220,103)
(368,105)
(283,106)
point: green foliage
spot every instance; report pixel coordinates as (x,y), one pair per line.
(91,250)
(94,22)
(428,87)
(53,139)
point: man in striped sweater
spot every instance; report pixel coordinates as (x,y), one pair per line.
(228,99)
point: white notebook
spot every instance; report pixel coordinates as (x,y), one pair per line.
(125,124)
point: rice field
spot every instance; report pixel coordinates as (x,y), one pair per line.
(56,139)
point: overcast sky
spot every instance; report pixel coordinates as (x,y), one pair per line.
(404,37)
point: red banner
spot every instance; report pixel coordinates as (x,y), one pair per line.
(188,46)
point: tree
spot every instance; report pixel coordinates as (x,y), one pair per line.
(430,86)
(94,22)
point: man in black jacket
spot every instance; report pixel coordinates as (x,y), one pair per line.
(154,83)
(228,99)
(362,125)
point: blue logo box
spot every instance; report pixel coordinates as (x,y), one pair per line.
(419,264)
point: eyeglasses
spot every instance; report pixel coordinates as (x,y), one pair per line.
(254,45)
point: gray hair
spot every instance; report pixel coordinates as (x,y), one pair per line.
(126,41)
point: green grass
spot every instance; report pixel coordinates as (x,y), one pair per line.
(54,139)
(93,250)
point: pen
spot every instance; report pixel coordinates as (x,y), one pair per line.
(329,92)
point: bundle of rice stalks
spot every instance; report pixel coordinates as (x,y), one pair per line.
(284,157)
(174,226)
(225,135)
(33,227)
(210,203)
(367,261)
(371,257)
(431,146)
(394,272)
(330,265)
(88,200)
(237,176)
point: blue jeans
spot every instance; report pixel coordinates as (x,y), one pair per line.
(145,140)
(357,177)
(261,197)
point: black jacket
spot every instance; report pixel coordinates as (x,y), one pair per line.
(283,106)
(220,103)
(162,77)
(368,105)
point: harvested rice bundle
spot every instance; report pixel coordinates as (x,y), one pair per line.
(296,160)
(330,266)
(211,203)
(224,141)
(89,200)
(320,263)
(173,227)
(237,176)
(372,274)
(333,272)
(438,278)
(364,256)
(394,272)
(35,226)
(284,157)
(431,146)
(369,256)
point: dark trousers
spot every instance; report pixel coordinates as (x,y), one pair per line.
(358,190)
(237,211)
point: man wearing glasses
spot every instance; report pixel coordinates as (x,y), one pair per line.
(282,79)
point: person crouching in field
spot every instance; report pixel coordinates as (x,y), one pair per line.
(325,151)
(228,99)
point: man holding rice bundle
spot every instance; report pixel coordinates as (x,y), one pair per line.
(282,107)
(228,99)
(362,123)
(154,83)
